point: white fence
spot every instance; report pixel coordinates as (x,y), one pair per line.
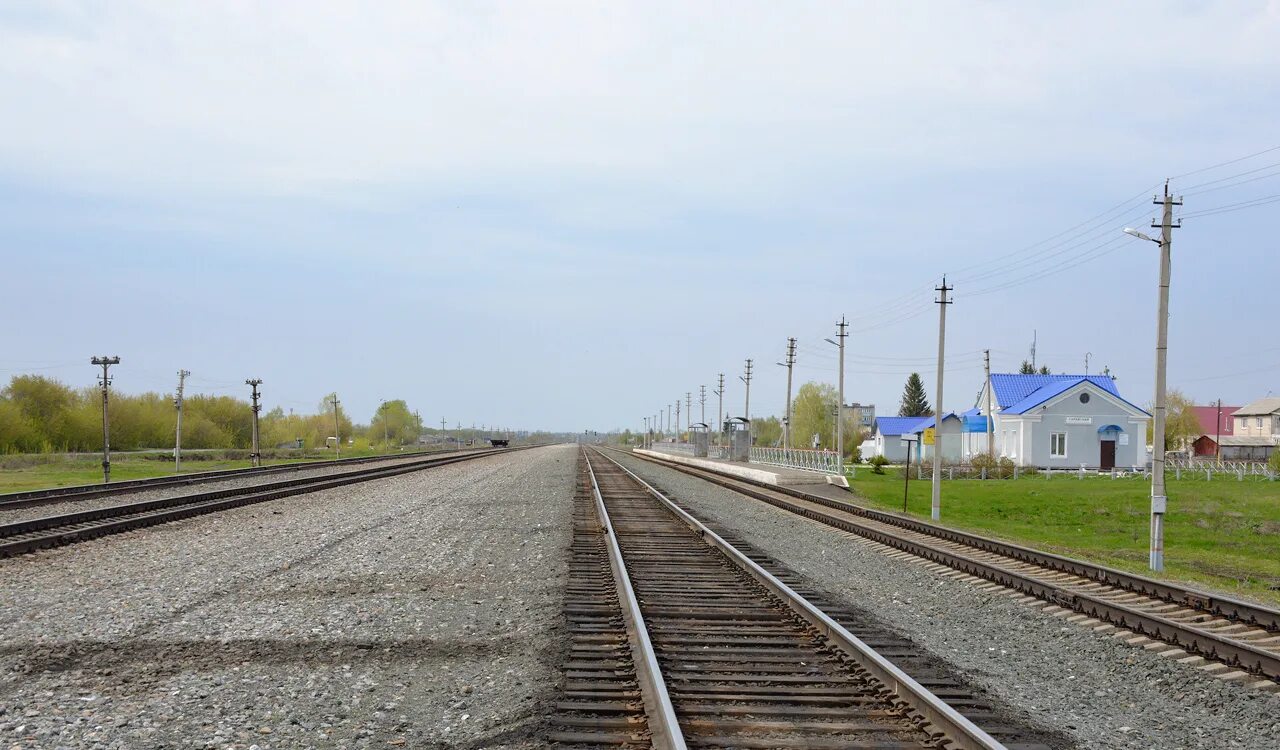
(827,462)
(1250,468)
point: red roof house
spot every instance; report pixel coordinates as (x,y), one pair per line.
(1215,422)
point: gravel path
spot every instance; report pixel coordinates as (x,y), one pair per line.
(419,611)
(1099,692)
(14,515)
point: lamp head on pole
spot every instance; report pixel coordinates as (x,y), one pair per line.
(1135,233)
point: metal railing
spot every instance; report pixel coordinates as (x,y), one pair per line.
(827,462)
(1253,468)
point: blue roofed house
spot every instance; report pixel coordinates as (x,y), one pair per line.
(888,436)
(1059,421)
(889,432)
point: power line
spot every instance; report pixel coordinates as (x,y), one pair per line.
(1225,163)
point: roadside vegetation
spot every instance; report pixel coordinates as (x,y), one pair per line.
(1224,533)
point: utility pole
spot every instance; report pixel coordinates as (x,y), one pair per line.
(746,378)
(991,435)
(702,403)
(720,408)
(177,438)
(841,335)
(337,428)
(786,419)
(386,436)
(1158,498)
(105,383)
(677,419)
(688,413)
(942,303)
(256,456)
(1217,440)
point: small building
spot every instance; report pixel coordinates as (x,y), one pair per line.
(1256,431)
(1216,423)
(1058,421)
(889,432)
(949,438)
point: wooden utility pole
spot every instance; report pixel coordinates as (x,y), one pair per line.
(337,428)
(177,438)
(256,457)
(105,383)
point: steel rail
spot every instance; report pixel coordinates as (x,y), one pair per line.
(1250,613)
(38,533)
(959,731)
(1182,635)
(28,498)
(664,727)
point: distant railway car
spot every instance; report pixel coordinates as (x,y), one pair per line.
(498,442)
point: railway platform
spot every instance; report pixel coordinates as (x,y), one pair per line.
(758,472)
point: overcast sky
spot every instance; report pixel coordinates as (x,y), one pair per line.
(567,215)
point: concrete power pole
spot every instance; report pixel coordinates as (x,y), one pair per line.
(1158,498)
(720,408)
(991,435)
(177,437)
(256,456)
(942,302)
(337,428)
(746,378)
(702,403)
(105,383)
(841,335)
(677,420)
(688,413)
(786,418)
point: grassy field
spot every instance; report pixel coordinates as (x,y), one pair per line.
(1223,534)
(19,473)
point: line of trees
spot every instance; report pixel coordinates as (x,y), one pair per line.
(43,415)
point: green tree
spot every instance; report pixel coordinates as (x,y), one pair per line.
(914,401)
(1044,370)
(394,421)
(1181,426)
(1027,368)
(766,431)
(813,413)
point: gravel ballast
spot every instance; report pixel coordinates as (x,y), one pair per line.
(417,611)
(1099,692)
(73,505)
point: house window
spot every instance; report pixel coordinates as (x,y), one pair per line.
(1057,445)
(1257,422)
(1084,398)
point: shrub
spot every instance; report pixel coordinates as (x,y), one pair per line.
(878,463)
(1001,468)
(1275,461)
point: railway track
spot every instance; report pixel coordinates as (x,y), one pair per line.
(29,498)
(1238,634)
(681,639)
(50,531)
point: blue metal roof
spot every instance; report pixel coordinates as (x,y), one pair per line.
(928,421)
(1011,388)
(900,425)
(1056,385)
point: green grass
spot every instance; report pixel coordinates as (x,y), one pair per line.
(1221,534)
(27,472)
